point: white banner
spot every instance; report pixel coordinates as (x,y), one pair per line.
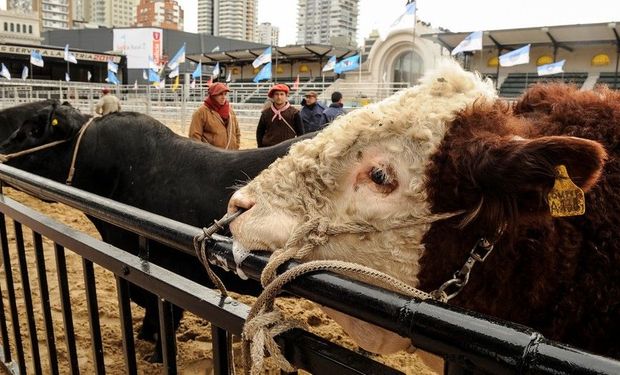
(138,45)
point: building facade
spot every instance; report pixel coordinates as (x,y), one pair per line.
(166,14)
(53,14)
(266,33)
(107,13)
(327,22)
(19,27)
(235,19)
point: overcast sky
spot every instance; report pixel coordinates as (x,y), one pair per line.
(456,15)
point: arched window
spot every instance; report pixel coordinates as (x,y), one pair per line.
(19,28)
(29,29)
(12,27)
(408,67)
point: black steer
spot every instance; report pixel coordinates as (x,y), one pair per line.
(134,159)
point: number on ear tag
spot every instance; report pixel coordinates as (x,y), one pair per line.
(54,122)
(566,198)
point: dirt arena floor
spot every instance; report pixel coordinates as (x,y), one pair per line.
(193,336)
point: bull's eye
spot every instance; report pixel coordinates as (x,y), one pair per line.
(378,176)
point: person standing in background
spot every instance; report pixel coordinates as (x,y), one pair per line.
(334,110)
(215,122)
(280,121)
(108,103)
(311,112)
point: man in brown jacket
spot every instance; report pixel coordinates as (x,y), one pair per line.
(280,121)
(215,122)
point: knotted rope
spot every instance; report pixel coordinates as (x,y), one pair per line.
(264,322)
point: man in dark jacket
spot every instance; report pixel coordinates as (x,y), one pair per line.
(280,121)
(335,109)
(311,112)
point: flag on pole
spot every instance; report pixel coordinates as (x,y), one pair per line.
(67,77)
(229,77)
(215,49)
(25,73)
(265,73)
(264,57)
(175,86)
(135,84)
(553,68)
(5,72)
(198,71)
(36,59)
(345,65)
(178,58)
(296,83)
(112,66)
(472,42)
(152,65)
(144,75)
(405,21)
(174,72)
(192,84)
(516,57)
(216,70)
(89,75)
(153,76)
(331,63)
(69,56)
(112,78)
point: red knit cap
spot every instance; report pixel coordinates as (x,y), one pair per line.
(278,87)
(105,90)
(217,88)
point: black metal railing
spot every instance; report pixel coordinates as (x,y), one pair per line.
(466,340)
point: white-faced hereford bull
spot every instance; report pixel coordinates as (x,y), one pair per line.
(134,159)
(465,165)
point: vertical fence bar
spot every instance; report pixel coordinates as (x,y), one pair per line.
(122,287)
(221,343)
(45,302)
(168,337)
(93,313)
(23,268)
(11,295)
(65,301)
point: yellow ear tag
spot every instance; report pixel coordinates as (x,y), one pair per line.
(54,122)
(566,198)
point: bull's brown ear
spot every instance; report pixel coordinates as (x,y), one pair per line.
(524,164)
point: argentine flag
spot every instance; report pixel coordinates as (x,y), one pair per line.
(89,75)
(216,70)
(405,21)
(331,64)
(472,42)
(112,66)
(174,72)
(553,68)
(25,73)
(112,78)
(198,71)
(178,58)
(5,72)
(36,59)
(152,65)
(265,57)
(350,63)
(153,76)
(69,56)
(265,73)
(516,57)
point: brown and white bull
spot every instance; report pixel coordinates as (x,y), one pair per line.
(449,147)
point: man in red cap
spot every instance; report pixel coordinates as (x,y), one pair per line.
(280,121)
(215,122)
(108,103)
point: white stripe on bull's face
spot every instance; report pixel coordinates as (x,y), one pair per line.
(367,167)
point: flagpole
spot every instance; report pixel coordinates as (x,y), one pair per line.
(30,70)
(200,62)
(276,53)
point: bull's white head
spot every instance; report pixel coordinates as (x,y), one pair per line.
(367,167)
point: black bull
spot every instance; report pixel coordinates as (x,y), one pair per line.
(134,159)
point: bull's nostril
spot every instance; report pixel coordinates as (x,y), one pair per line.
(239,202)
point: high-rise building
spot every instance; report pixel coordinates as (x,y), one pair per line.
(327,22)
(109,13)
(267,34)
(166,14)
(235,19)
(54,14)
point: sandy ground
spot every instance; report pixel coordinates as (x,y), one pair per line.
(193,336)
